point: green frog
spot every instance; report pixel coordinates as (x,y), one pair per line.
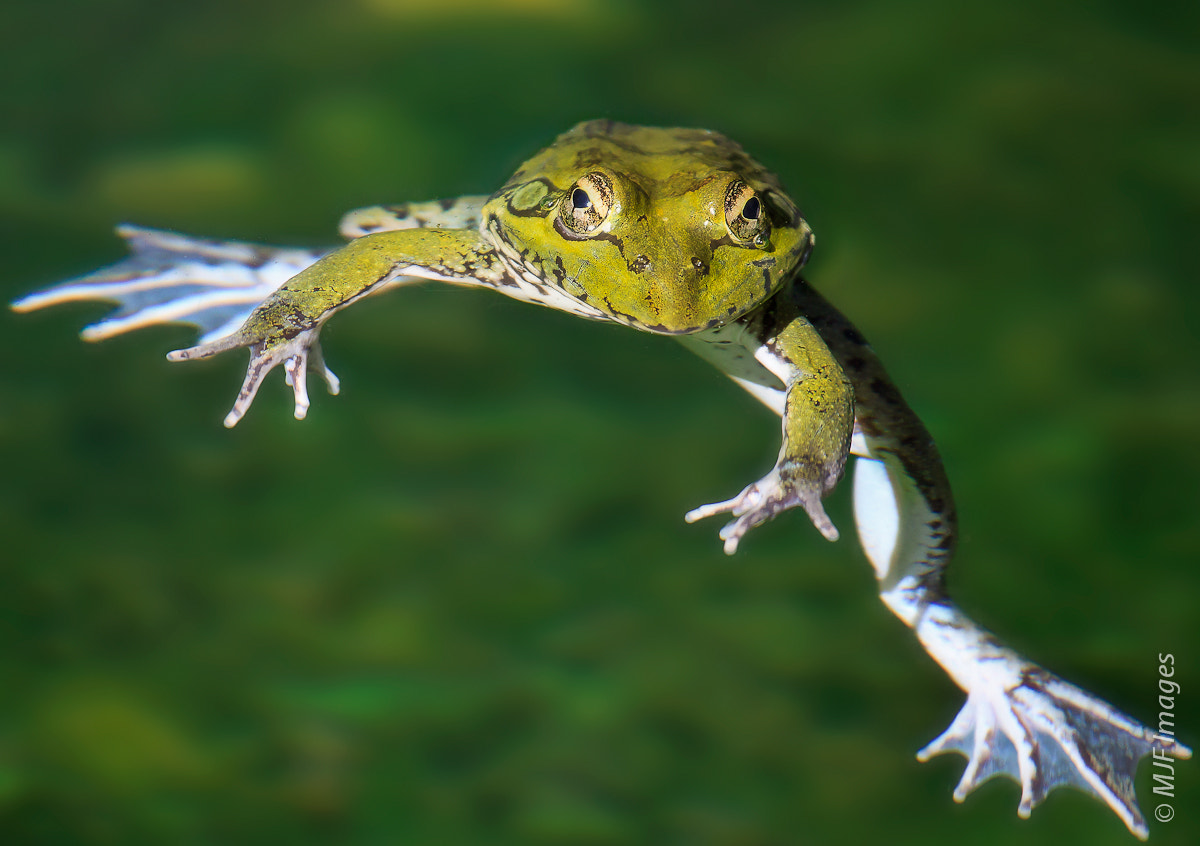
(675,232)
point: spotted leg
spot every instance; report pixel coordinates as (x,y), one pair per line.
(1019,720)
(818,414)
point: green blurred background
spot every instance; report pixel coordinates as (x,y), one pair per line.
(459,603)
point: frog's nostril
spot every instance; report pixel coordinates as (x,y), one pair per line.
(700,265)
(640,264)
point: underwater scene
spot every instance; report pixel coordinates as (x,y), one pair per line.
(459,603)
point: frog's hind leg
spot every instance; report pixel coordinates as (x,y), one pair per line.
(172,278)
(1019,720)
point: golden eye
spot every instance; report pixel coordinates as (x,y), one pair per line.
(745,215)
(587,203)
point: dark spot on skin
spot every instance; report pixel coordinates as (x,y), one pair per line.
(769,261)
(885,390)
(399,212)
(700,265)
(590,157)
(446,204)
(640,264)
(724,241)
(559,271)
(608,236)
(1035,677)
(855,363)
(852,335)
(931,584)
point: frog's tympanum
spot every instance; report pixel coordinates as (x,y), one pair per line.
(676,232)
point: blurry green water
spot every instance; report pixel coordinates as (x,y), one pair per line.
(458,604)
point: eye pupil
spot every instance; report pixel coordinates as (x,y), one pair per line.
(745,215)
(586,205)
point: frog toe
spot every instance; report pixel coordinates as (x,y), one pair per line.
(209,349)
(296,375)
(712,509)
(317,363)
(810,501)
(1044,733)
(733,531)
(256,372)
(760,502)
(745,507)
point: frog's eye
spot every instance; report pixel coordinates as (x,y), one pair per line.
(587,203)
(745,214)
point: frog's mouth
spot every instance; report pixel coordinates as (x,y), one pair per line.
(664,303)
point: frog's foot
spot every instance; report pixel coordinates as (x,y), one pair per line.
(172,278)
(1025,723)
(296,354)
(761,501)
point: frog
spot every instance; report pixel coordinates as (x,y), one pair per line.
(675,232)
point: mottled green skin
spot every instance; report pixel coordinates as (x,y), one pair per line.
(664,259)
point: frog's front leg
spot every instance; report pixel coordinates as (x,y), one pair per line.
(215,285)
(286,327)
(818,418)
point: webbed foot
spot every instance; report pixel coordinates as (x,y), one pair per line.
(173,278)
(1025,723)
(296,354)
(761,501)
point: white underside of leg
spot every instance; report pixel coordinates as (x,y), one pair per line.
(876,514)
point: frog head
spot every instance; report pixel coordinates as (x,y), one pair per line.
(667,230)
